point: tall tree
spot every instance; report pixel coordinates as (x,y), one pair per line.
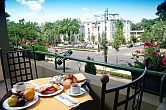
(93,38)
(161,11)
(81,37)
(22,30)
(104,46)
(137,26)
(99,42)
(154,31)
(7,14)
(133,38)
(118,38)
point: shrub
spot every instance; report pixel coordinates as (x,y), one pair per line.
(151,57)
(89,67)
(37,47)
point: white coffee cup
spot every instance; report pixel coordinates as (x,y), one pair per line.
(20,86)
(75,88)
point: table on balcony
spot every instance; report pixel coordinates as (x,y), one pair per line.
(49,103)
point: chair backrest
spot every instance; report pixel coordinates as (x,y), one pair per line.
(16,66)
(133,95)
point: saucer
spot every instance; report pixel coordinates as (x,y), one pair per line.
(82,91)
(14,90)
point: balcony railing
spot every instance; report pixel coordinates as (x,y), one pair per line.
(127,68)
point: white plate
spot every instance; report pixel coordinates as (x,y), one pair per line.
(27,84)
(82,91)
(55,93)
(27,104)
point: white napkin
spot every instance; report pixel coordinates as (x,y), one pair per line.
(66,99)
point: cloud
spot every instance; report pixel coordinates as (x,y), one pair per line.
(34,5)
(84,9)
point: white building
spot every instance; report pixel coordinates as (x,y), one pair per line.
(96,26)
(137,33)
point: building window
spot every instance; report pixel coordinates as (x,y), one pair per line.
(98,28)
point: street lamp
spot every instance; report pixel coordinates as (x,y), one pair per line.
(105,18)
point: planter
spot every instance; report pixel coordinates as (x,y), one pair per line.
(39,56)
(152,82)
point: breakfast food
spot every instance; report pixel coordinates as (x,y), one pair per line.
(12,101)
(48,89)
(19,98)
(29,94)
(21,102)
(70,78)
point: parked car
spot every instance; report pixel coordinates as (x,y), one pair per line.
(76,45)
(129,45)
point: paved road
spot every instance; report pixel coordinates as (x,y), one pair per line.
(124,56)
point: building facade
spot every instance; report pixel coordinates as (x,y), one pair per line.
(101,23)
(137,33)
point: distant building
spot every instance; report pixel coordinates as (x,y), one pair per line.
(137,33)
(95,27)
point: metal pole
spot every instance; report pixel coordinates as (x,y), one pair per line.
(55,63)
(64,65)
(105,18)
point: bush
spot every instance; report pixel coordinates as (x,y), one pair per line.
(37,47)
(89,67)
(151,57)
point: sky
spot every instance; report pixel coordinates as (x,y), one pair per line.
(51,10)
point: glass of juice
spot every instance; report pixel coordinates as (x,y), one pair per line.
(66,85)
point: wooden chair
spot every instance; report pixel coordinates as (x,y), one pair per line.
(134,97)
(16,66)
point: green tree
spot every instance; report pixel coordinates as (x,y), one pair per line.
(72,38)
(22,30)
(66,28)
(158,30)
(64,38)
(7,15)
(133,38)
(93,38)
(146,24)
(90,67)
(99,42)
(154,31)
(161,11)
(137,26)
(81,37)
(69,27)
(104,46)
(118,38)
